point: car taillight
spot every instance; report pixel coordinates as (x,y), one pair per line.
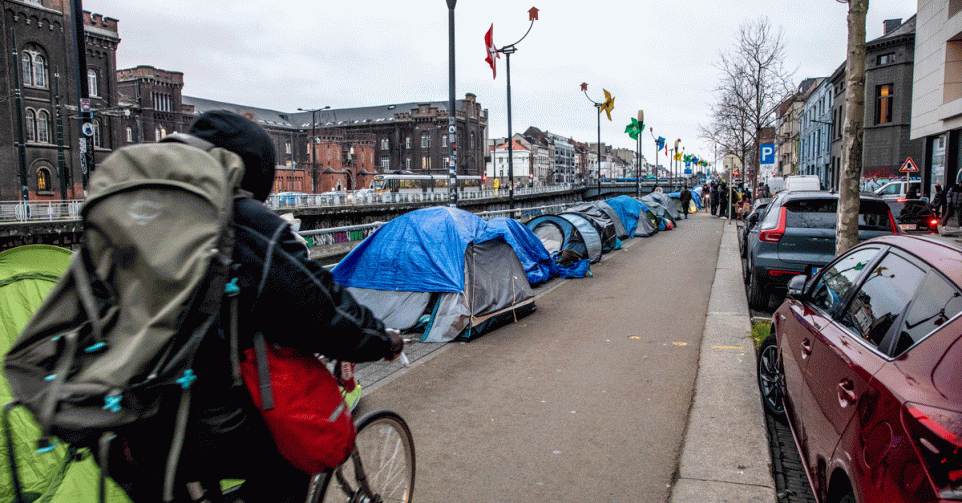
(775,235)
(937,436)
(933,223)
(895,226)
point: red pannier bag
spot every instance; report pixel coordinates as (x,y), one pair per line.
(309,421)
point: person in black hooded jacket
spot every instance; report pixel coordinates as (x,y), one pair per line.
(286,296)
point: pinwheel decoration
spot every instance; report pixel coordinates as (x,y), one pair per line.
(635,128)
(660,142)
(608,104)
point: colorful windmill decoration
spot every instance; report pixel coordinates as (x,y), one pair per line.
(608,104)
(635,128)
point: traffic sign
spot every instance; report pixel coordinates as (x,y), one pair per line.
(909,166)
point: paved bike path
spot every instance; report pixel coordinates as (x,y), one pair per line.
(584,400)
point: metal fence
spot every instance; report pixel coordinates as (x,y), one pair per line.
(35,211)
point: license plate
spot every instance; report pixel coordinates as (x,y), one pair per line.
(908,227)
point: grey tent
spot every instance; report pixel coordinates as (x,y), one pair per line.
(600,220)
(664,200)
(572,232)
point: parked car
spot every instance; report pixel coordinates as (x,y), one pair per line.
(863,363)
(899,189)
(754,216)
(797,236)
(914,215)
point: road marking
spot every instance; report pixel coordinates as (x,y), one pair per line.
(728,347)
(680,343)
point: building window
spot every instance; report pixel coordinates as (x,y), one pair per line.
(407,164)
(34,66)
(425,140)
(883,109)
(97,141)
(444,140)
(92,83)
(407,142)
(31,125)
(157,136)
(885,59)
(287,148)
(385,144)
(471,145)
(130,135)
(43,127)
(385,163)
(43,180)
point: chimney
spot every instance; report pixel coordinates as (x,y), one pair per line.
(891,24)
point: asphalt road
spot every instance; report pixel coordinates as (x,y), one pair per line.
(586,399)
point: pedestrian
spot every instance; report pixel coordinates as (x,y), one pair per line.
(953,201)
(293,302)
(706,196)
(938,200)
(714,198)
(685,200)
(723,200)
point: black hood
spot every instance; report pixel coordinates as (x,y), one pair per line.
(245,138)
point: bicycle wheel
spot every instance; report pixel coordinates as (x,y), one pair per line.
(383,454)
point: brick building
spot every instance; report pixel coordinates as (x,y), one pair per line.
(44,72)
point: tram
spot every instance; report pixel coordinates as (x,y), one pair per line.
(407,183)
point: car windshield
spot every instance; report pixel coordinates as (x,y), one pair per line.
(823,214)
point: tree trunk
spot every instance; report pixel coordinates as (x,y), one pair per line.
(846,232)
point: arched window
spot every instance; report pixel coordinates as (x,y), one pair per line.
(43,126)
(472,141)
(26,72)
(30,125)
(96,125)
(130,135)
(163,133)
(34,65)
(43,180)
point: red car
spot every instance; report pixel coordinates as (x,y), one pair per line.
(865,364)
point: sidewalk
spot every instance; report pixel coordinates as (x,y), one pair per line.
(725,456)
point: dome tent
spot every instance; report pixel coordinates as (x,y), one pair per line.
(629,211)
(666,201)
(601,221)
(443,263)
(572,232)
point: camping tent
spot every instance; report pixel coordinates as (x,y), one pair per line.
(600,220)
(27,273)
(443,268)
(534,257)
(666,201)
(657,208)
(594,206)
(629,212)
(693,205)
(567,232)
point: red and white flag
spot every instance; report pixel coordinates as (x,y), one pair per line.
(492,51)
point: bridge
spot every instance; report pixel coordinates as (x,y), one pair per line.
(333,224)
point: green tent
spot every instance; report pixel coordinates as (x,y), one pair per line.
(27,273)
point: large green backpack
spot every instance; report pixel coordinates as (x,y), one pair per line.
(121,327)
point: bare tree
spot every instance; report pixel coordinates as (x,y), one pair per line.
(754,82)
(846,230)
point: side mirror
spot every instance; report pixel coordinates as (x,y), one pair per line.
(796,286)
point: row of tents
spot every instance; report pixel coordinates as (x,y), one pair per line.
(444,273)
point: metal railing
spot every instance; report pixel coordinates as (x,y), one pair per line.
(39,211)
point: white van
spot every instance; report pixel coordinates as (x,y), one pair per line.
(776,184)
(802,182)
(899,189)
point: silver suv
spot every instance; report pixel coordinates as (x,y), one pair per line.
(797,236)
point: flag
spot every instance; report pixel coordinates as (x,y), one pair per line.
(492,51)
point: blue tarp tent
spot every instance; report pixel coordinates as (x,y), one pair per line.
(629,210)
(535,259)
(443,263)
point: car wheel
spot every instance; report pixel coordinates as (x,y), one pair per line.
(757,297)
(770,379)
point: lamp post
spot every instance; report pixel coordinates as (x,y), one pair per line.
(314,145)
(508,50)
(608,104)
(452,118)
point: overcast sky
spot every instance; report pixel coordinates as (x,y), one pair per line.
(658,56)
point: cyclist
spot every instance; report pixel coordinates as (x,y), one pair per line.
(284,295)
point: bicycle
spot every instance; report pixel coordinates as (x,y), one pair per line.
(380,470)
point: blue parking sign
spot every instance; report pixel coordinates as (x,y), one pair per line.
(767,153)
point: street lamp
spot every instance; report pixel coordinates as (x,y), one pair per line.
(313,146)
(508,50)
(606,105)
(452,116)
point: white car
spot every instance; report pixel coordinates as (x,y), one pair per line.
(899,189)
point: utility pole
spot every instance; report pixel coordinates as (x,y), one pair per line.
(452,116)
(86,115)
